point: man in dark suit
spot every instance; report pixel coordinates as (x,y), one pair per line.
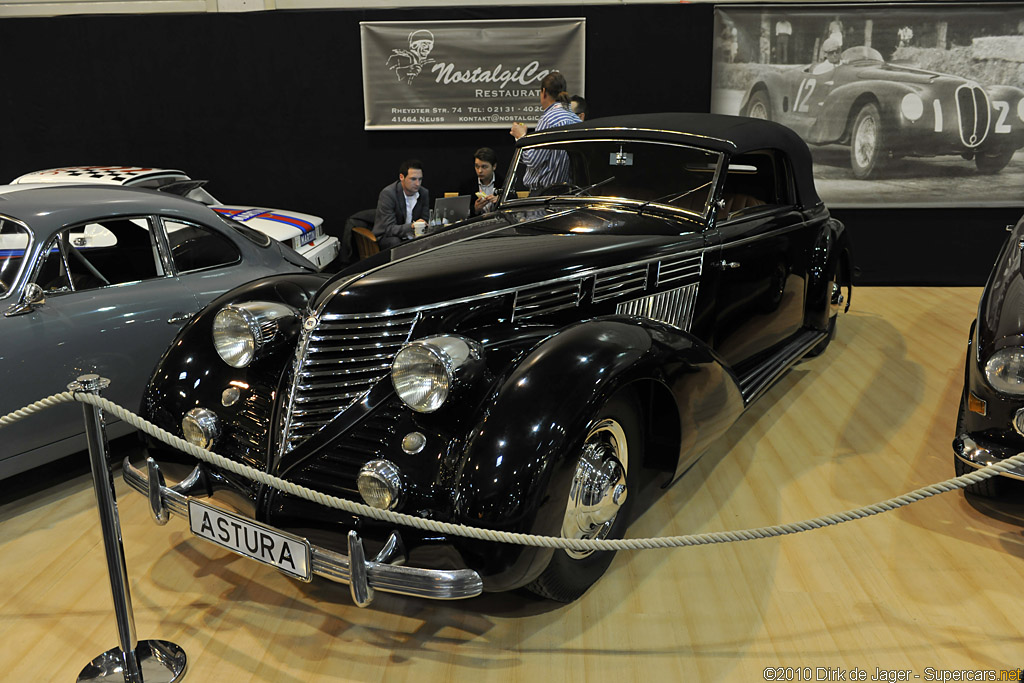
(485,187)
(402,207)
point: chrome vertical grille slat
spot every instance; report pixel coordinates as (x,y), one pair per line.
(336,370)
(674,307)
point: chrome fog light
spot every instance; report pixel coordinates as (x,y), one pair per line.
(413,442)
(1005,370)
(425,371)
(380,484)
(200,427)
(1018,421)
(241,330)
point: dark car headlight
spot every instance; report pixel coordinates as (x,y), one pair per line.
(1005,370)
(426,371)
(241,331)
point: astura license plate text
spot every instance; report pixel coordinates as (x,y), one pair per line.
(251,539)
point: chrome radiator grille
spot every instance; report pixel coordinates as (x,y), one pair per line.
(344,356)
(974,112)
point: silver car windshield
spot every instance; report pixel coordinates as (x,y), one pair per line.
(14,241)
(646,172)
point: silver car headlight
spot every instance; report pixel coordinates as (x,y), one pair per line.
(911,106)
(380,484)
(200,427)
(1005,370)
(426,371)
(241,331)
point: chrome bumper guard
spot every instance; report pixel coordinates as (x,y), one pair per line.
(363,576)
(974,454)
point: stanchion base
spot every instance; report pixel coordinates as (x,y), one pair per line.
(160,661)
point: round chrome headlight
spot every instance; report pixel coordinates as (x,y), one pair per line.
(200,427)
(425,371)
(380,484)
(241,330)
(1005,370)
(912,106)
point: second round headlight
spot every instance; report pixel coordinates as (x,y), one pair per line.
(1005,370)
(426,371)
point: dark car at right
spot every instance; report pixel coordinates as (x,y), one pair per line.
(990,422)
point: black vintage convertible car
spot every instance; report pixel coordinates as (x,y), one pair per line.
(990,422)
(538,369)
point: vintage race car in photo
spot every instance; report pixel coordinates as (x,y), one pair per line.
(99,280)
(884,111)
(990,422)
(302,232)
(543,369)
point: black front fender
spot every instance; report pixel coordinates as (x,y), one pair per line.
(521,454)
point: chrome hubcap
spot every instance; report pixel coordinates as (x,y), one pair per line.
(598,488)
(758,111)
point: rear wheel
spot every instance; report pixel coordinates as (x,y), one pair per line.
(597,503)
(868,152)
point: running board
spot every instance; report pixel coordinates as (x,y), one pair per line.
(756,380)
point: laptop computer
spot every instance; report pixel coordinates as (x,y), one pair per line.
(452,209)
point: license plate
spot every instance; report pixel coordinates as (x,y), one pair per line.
(256,541)
(307,237)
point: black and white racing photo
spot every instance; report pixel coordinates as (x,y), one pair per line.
(902,105)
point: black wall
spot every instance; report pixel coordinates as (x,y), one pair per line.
(268,107)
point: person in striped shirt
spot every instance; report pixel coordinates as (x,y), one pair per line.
(546,167)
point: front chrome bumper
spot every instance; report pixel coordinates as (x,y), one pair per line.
(977,455)
(363,576)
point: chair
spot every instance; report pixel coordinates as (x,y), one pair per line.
(366,243)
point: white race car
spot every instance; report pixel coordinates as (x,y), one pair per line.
(302,232)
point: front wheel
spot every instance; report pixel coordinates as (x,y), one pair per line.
(989,164)
(607,466)
(758,107)
(868,152)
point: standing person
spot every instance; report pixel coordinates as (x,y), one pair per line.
(579,106)
(486,186)
(783,31)
(402,207)
(546,167)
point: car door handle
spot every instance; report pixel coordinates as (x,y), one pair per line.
(728,265)
(179,317)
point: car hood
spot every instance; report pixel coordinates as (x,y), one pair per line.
(905,74)
(281,225)
(504,254)
(1001,311)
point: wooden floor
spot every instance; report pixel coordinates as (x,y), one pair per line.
(937,585)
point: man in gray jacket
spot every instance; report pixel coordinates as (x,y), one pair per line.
(402,207)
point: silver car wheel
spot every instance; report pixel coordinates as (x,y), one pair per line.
(598,488)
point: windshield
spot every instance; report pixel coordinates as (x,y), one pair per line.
(13,246)
(640,171)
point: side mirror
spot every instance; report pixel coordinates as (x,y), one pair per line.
(30,299)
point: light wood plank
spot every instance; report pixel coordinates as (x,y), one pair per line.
(932,585)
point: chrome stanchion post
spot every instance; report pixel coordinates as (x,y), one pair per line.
(149,661)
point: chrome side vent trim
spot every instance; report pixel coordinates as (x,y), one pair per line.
(674,307)
(620,282)
(344,356)
(546,298)
(680,270)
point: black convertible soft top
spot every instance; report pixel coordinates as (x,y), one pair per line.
(719,132)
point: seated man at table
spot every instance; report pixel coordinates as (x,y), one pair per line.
(485,186)
(402,207)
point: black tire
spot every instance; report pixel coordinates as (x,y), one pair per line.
(990,164)
(568,574)
(868,148)
(759,107)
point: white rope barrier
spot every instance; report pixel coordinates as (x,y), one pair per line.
(360,509)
